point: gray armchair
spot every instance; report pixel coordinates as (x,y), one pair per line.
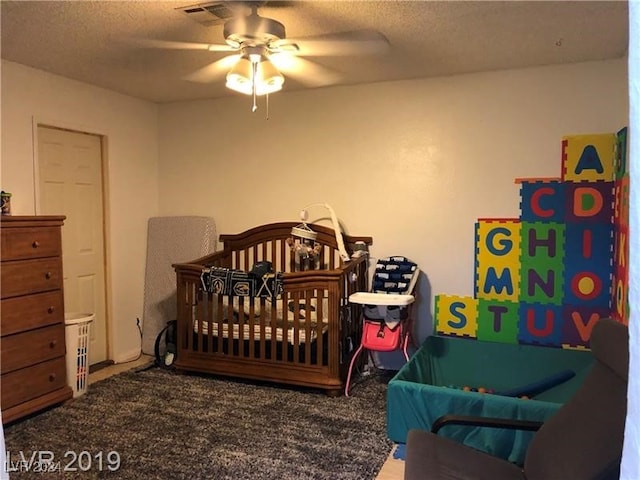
(582,441)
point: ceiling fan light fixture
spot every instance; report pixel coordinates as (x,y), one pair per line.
(239,77)
(268,78)
(245,73)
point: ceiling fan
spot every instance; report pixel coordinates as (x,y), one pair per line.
(259,52)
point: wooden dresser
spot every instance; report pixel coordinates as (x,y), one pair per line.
(32,327)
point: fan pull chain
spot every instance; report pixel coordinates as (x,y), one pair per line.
(254,70)
(267,100)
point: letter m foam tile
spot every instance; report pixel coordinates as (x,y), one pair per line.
(588,157)
(497,259)
(456,316)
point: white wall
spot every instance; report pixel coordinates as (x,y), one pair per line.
(411,163)
(630,469)
(130,126)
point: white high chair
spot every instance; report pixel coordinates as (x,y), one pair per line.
(386,316)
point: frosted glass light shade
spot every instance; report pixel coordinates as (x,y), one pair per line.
(267,78)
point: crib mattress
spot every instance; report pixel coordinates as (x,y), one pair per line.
(428,386)
(296,330)
(246,332)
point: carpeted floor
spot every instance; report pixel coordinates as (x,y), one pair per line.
(168,426)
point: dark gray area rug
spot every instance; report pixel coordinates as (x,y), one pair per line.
(171,426)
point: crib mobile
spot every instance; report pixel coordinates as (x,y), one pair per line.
(303,239)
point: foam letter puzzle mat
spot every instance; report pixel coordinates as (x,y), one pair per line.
(546,277)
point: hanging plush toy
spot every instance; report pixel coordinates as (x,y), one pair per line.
(303,243)
(303,246)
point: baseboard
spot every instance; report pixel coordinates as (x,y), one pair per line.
(127,356)
(100,365)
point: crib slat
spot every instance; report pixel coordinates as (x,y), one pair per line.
(296,326)
(262,320)
(274,326)
(219,322)
(209,321)
(307,326)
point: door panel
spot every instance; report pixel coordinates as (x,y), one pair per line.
(70,183)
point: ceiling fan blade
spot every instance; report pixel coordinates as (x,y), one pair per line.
(213,71)
(171,45)
(356,42)
(304,71)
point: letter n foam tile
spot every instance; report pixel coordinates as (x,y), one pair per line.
(588,157)
(456,316)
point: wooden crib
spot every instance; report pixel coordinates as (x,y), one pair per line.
(303,335)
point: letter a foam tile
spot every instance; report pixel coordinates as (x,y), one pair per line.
(588,157)
(456,316)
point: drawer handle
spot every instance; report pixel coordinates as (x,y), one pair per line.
(47,275)
(52,377)
(35,244)
(53,343)
(51,309)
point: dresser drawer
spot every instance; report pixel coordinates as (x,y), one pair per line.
(30,276)
(25,349)
(28,383)
(19,314)
(30,242)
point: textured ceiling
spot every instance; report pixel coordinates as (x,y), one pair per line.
(90,40)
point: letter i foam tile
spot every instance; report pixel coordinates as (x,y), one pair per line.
(588,269)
